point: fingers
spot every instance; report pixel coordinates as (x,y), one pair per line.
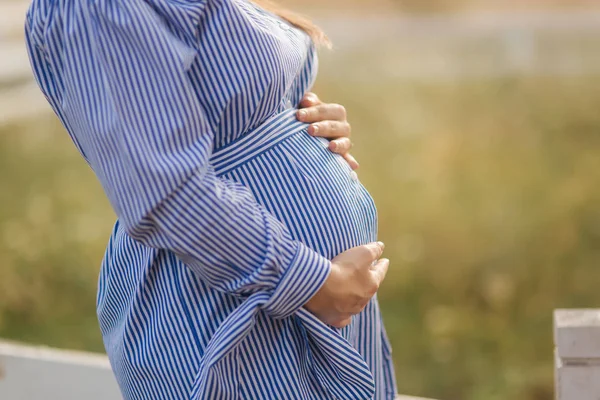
(355,278)
(330,129)
(351,161)
(379,270)
(322,112)
(341,145)
(373,252)
(309,100)
(362,257)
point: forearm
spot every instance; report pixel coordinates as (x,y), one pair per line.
(219,230)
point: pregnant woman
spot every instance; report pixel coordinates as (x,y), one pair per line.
(244,263)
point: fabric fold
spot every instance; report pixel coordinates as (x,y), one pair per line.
(219,242)
(339,368)
(335,363)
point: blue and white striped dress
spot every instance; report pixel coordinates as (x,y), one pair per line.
(229,211)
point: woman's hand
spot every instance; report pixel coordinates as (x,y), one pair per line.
(354,279)
(328,121)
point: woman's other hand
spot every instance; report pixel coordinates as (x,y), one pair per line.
(355,277)
(329,121)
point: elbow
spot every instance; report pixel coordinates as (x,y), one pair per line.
(142,232)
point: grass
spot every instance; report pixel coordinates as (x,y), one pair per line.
(489,207)
(488,200)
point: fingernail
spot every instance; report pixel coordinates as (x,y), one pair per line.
(302,114)
(381,244)
(334,146)
(314,129)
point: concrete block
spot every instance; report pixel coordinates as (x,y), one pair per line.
(577,354)
(577,333)
(32,373)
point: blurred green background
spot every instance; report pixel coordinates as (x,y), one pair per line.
(488,194)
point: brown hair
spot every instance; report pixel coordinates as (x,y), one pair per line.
(299,21)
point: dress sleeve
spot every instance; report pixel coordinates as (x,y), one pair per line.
(128,102)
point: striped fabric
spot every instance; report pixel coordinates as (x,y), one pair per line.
(229,211)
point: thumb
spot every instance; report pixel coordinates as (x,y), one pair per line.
(380,269)
(374,251)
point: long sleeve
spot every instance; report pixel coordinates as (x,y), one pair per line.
(120,73)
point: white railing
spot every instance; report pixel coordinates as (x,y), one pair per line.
(31,373)
(577,355)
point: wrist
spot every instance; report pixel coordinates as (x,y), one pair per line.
(303,278)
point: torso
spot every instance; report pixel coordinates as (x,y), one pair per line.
(158,318)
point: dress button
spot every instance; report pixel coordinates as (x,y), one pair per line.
(288,103)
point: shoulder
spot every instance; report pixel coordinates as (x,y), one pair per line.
(69,18)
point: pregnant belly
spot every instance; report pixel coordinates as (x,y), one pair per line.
(312,191)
